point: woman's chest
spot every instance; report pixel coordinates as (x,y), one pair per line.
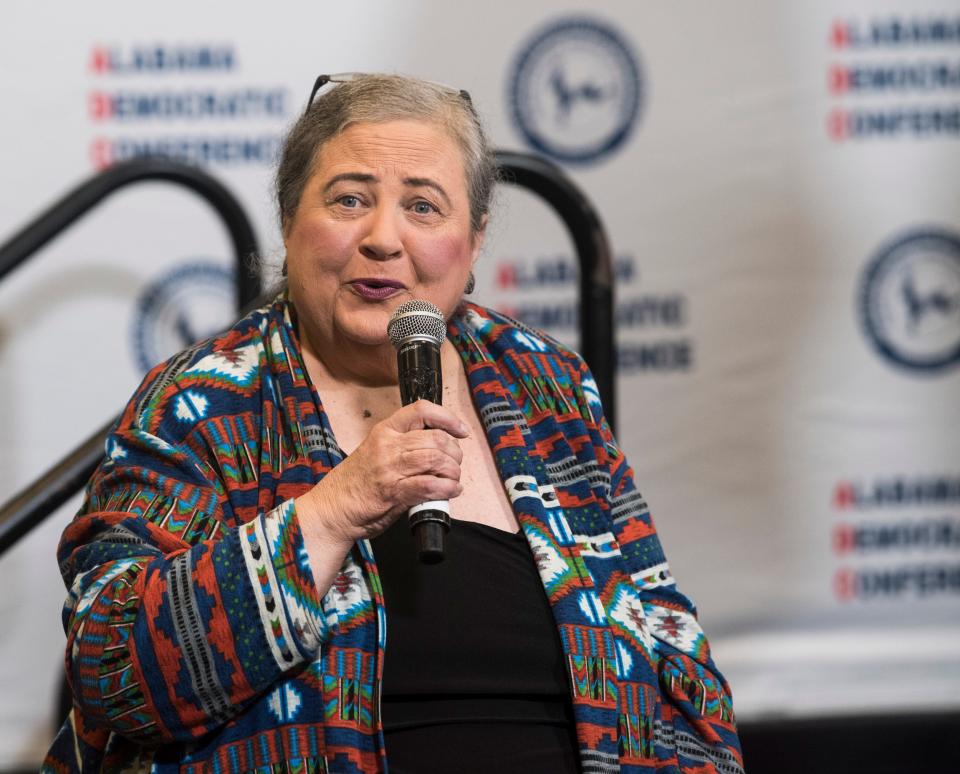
(352,415)
(484,499)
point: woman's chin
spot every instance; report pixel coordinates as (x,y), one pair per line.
(371,331)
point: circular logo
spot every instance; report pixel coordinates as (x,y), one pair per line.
(183,306)
(575,91)
(910,300)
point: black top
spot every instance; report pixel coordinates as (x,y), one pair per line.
(474,677)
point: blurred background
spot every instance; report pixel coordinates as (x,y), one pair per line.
(780,184)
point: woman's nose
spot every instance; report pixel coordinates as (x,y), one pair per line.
(383,239)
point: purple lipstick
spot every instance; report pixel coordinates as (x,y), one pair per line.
(376,289)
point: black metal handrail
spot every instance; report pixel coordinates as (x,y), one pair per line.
(595,258)
(77,202)
(35,502)
(32,504)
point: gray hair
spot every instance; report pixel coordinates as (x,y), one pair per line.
(377,98)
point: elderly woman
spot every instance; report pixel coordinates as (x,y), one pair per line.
(242,594)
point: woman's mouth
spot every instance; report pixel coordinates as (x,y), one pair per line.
(376,289)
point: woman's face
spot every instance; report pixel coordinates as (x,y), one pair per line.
(385,217)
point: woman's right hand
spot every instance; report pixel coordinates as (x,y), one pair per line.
(410,457)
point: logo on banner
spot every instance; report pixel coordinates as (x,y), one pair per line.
(575,90)
(183,306)
(188,102)
(896,536)
(910,300)
(653,327)
(904,64)
(156,59)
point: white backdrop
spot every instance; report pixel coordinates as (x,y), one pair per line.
(781,185)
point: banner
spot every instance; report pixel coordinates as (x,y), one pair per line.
(779,184)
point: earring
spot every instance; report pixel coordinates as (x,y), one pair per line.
(471,284)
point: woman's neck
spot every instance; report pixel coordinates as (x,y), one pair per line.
(354,364)
(364,390)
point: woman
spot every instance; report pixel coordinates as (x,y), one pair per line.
(225,608)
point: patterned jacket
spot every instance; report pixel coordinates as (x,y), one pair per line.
(198,642)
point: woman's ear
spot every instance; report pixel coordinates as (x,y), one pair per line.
(478,237)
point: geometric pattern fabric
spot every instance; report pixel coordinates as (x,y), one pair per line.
(198,641)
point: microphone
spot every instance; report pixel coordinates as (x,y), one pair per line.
(417,330)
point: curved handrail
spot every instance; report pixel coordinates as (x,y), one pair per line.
(596,263)
(32,504)
(38,500)
(80,200)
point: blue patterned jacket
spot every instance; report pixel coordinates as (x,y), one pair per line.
(197,640)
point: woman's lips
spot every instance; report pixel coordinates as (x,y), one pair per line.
(376,289)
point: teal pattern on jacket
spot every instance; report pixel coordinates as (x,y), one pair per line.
(198,642)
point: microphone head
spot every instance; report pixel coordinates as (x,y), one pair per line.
(416,320)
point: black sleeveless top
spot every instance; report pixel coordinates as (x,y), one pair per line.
(474,677)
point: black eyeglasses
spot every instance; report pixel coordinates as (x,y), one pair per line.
(323,80)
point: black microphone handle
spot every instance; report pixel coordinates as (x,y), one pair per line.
(418,364)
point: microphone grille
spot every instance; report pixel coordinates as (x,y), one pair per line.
(416,319)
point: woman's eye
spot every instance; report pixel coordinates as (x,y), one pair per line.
(349,201)
(424,208)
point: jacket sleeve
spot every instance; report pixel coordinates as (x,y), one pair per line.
(695,730)
(177,615)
